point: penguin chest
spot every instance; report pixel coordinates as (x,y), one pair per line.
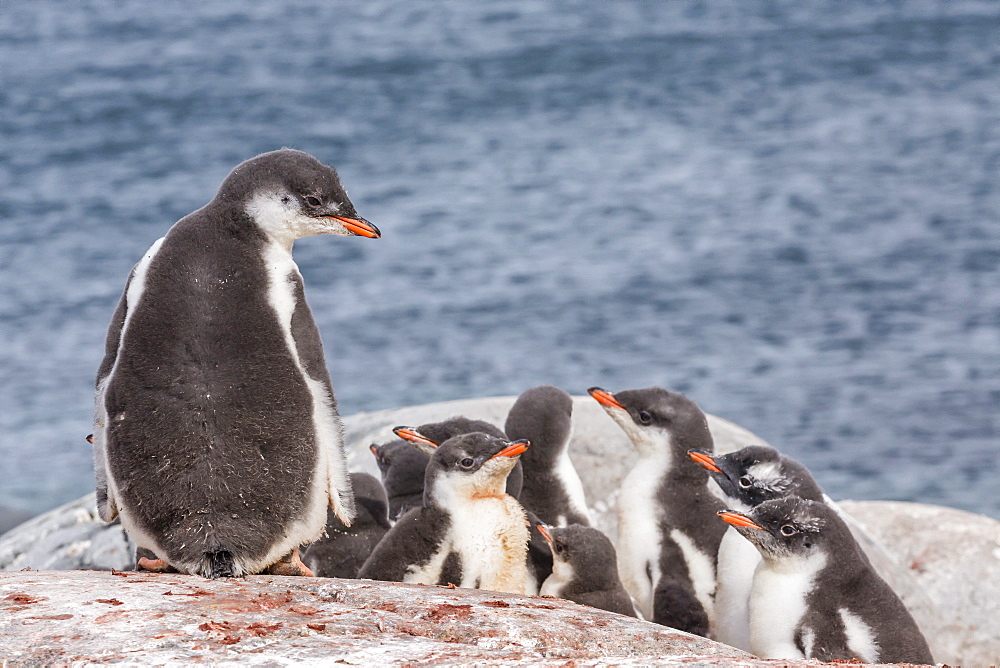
(778,604)
(567,476)
(639,536)
(490,535)
(561,577)
(738,560)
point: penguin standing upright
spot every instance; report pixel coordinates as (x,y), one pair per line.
(468,532)
(815,595)
(585,569)
(552,489)
(403,467)
(746,478)
(217,438)
(667,542)
(344,549)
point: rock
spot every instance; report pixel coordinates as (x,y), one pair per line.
(145,618)
(954,556)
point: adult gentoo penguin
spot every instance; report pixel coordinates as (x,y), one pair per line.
(469,532)
(667,542)
(217,438)
(344,549)
(585,569)
(815,594)
(402,466)
(746,478)
(552,489)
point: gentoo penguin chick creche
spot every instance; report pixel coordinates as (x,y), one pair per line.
(344,549)
(747,478)
(815,594)
(217,438)
(468,532)
(667,542)
(403,466)
(552,489)
(585,569)
(436,433)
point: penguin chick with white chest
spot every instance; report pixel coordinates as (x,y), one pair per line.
(344,549)
(217,438)
(552,489)
(585,569)
(667,541)
(469,531)
(815,595)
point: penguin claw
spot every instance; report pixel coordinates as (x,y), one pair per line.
(155,565)
(290,564)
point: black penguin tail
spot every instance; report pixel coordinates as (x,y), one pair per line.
(220,564)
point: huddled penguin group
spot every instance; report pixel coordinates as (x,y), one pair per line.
(218,443)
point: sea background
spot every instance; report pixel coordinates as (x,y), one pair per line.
(789,212)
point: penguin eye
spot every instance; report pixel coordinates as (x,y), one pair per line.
(467,463)
(560,548)
(788,530)
(312,201)
(645,417)
(745,482)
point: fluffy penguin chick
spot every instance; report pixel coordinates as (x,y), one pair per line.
(403,467)
(552,489)
(217,437)
(468,532)
(815,595)
(746,478)
(667,541)
(585,569)
(436,433)
(344,549)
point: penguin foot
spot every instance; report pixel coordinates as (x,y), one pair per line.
(290,564)
(155,565)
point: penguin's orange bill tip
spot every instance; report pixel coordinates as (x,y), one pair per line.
(360,227)
(545,533)
(413,436)
(90,439)
(513,450)
(705,459)
(605,398)
(738,520)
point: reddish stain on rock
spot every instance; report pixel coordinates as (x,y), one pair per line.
(109,617)
(196,592)
(307,610)
(443,610)
(316,627)
(66,616)
(497,604)
(23,599)
(109,601)
(230,640)
(216,626)
(261,629)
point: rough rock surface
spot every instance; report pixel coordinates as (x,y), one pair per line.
(105,617)
(954,556)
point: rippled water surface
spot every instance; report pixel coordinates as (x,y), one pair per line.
(790,213)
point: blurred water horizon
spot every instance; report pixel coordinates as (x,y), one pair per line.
(787,212)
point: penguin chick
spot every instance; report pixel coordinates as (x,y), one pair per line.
(403,467)
(436,433)
(667,541)
(469,531)
(747,478)
(552,489)
(815,594)
(217,438)
(344,549)
(585,569)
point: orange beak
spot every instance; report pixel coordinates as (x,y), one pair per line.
(359,226)
(514,449)
(605,398)
(705,459)
(90,439)
(374,449)
(738,519)
(413,436)
(545,533)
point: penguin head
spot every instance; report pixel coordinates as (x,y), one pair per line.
(436,433)
(469,466)
(757,473)
(656,420)
(291,194)
(582,553)
(789,527)
(370,499)
(544,416)
(401,465)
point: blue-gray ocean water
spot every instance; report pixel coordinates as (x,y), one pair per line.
(790,212)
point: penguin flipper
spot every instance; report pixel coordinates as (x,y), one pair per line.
(676,605)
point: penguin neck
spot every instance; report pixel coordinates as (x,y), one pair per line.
(278,219)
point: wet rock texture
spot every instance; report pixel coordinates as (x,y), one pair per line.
(90,616)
